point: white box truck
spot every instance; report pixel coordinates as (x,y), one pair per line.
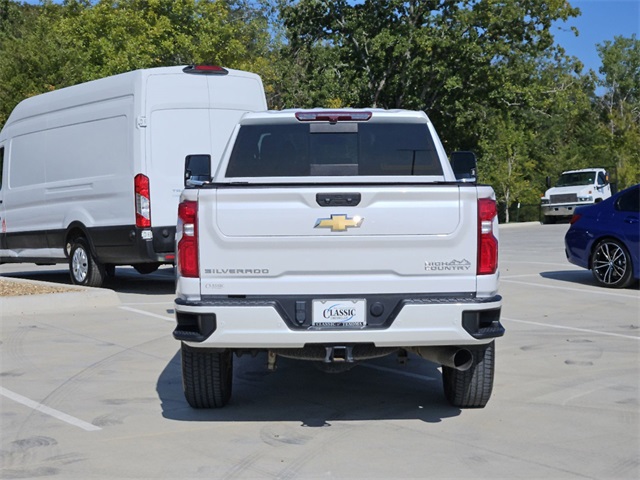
(92,174)
(574,188)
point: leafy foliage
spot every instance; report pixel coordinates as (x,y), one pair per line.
(620,106)
(79,41)
(487,72)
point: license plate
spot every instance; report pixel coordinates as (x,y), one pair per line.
(340,313)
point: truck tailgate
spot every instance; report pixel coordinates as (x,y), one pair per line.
(338,239)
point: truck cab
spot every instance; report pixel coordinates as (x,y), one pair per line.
(573,189)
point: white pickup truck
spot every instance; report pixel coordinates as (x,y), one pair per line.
(337,237)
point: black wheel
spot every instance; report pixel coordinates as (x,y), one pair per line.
(548,219)
(206,376)
(83,267)
(471,388)
(611,264)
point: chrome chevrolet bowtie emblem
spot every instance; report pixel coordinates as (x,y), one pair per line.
(339,223)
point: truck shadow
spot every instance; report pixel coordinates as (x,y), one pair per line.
(299,392)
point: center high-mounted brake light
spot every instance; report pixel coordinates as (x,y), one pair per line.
(333,117)
(487,242)
(205,70)
(187,235)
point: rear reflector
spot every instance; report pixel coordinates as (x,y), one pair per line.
(142,200)
(205,70)
(575,218)
(187,235)
(487,242)
(333,116)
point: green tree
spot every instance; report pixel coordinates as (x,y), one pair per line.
(476,67)
(620,107)
(33,57)
(61,45)
(506,162)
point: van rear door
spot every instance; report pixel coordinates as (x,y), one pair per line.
(191,114)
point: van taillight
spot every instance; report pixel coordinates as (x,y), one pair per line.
(487,242)
(187,234)
(143,201)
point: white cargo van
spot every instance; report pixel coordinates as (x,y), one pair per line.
(92,174)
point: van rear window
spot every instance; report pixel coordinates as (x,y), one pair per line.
(341,149)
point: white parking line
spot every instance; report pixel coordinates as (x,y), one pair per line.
(559,287)
(48,411)
(149,314)
(562,327)
(149,303)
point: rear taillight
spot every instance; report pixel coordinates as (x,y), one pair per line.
(487,242)
(187,235)
(143,201)
(575,218)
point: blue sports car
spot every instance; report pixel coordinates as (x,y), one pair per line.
(605,238)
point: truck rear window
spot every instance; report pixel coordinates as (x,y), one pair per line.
(341,149)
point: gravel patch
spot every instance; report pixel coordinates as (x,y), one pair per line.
(10,288)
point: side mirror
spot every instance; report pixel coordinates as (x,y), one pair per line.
(464,166)
(197,170)
(548,182)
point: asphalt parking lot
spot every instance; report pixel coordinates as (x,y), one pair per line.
(90,387)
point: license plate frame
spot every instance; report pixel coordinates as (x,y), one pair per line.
(342,313)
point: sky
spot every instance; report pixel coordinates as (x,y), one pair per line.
(600,20)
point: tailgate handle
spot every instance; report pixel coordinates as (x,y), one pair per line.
(338,199)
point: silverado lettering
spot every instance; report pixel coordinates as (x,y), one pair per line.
(238,271)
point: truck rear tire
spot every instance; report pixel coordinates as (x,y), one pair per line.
(471,388)
(83,267)
(206,376)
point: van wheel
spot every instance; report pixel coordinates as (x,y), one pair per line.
(471,388)
(84,268)
(206,376)
(146,268)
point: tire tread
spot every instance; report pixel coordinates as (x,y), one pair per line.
(206,377)
(471,388)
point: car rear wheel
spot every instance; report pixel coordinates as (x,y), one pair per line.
(471,388)
(206,376)
(611,264)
